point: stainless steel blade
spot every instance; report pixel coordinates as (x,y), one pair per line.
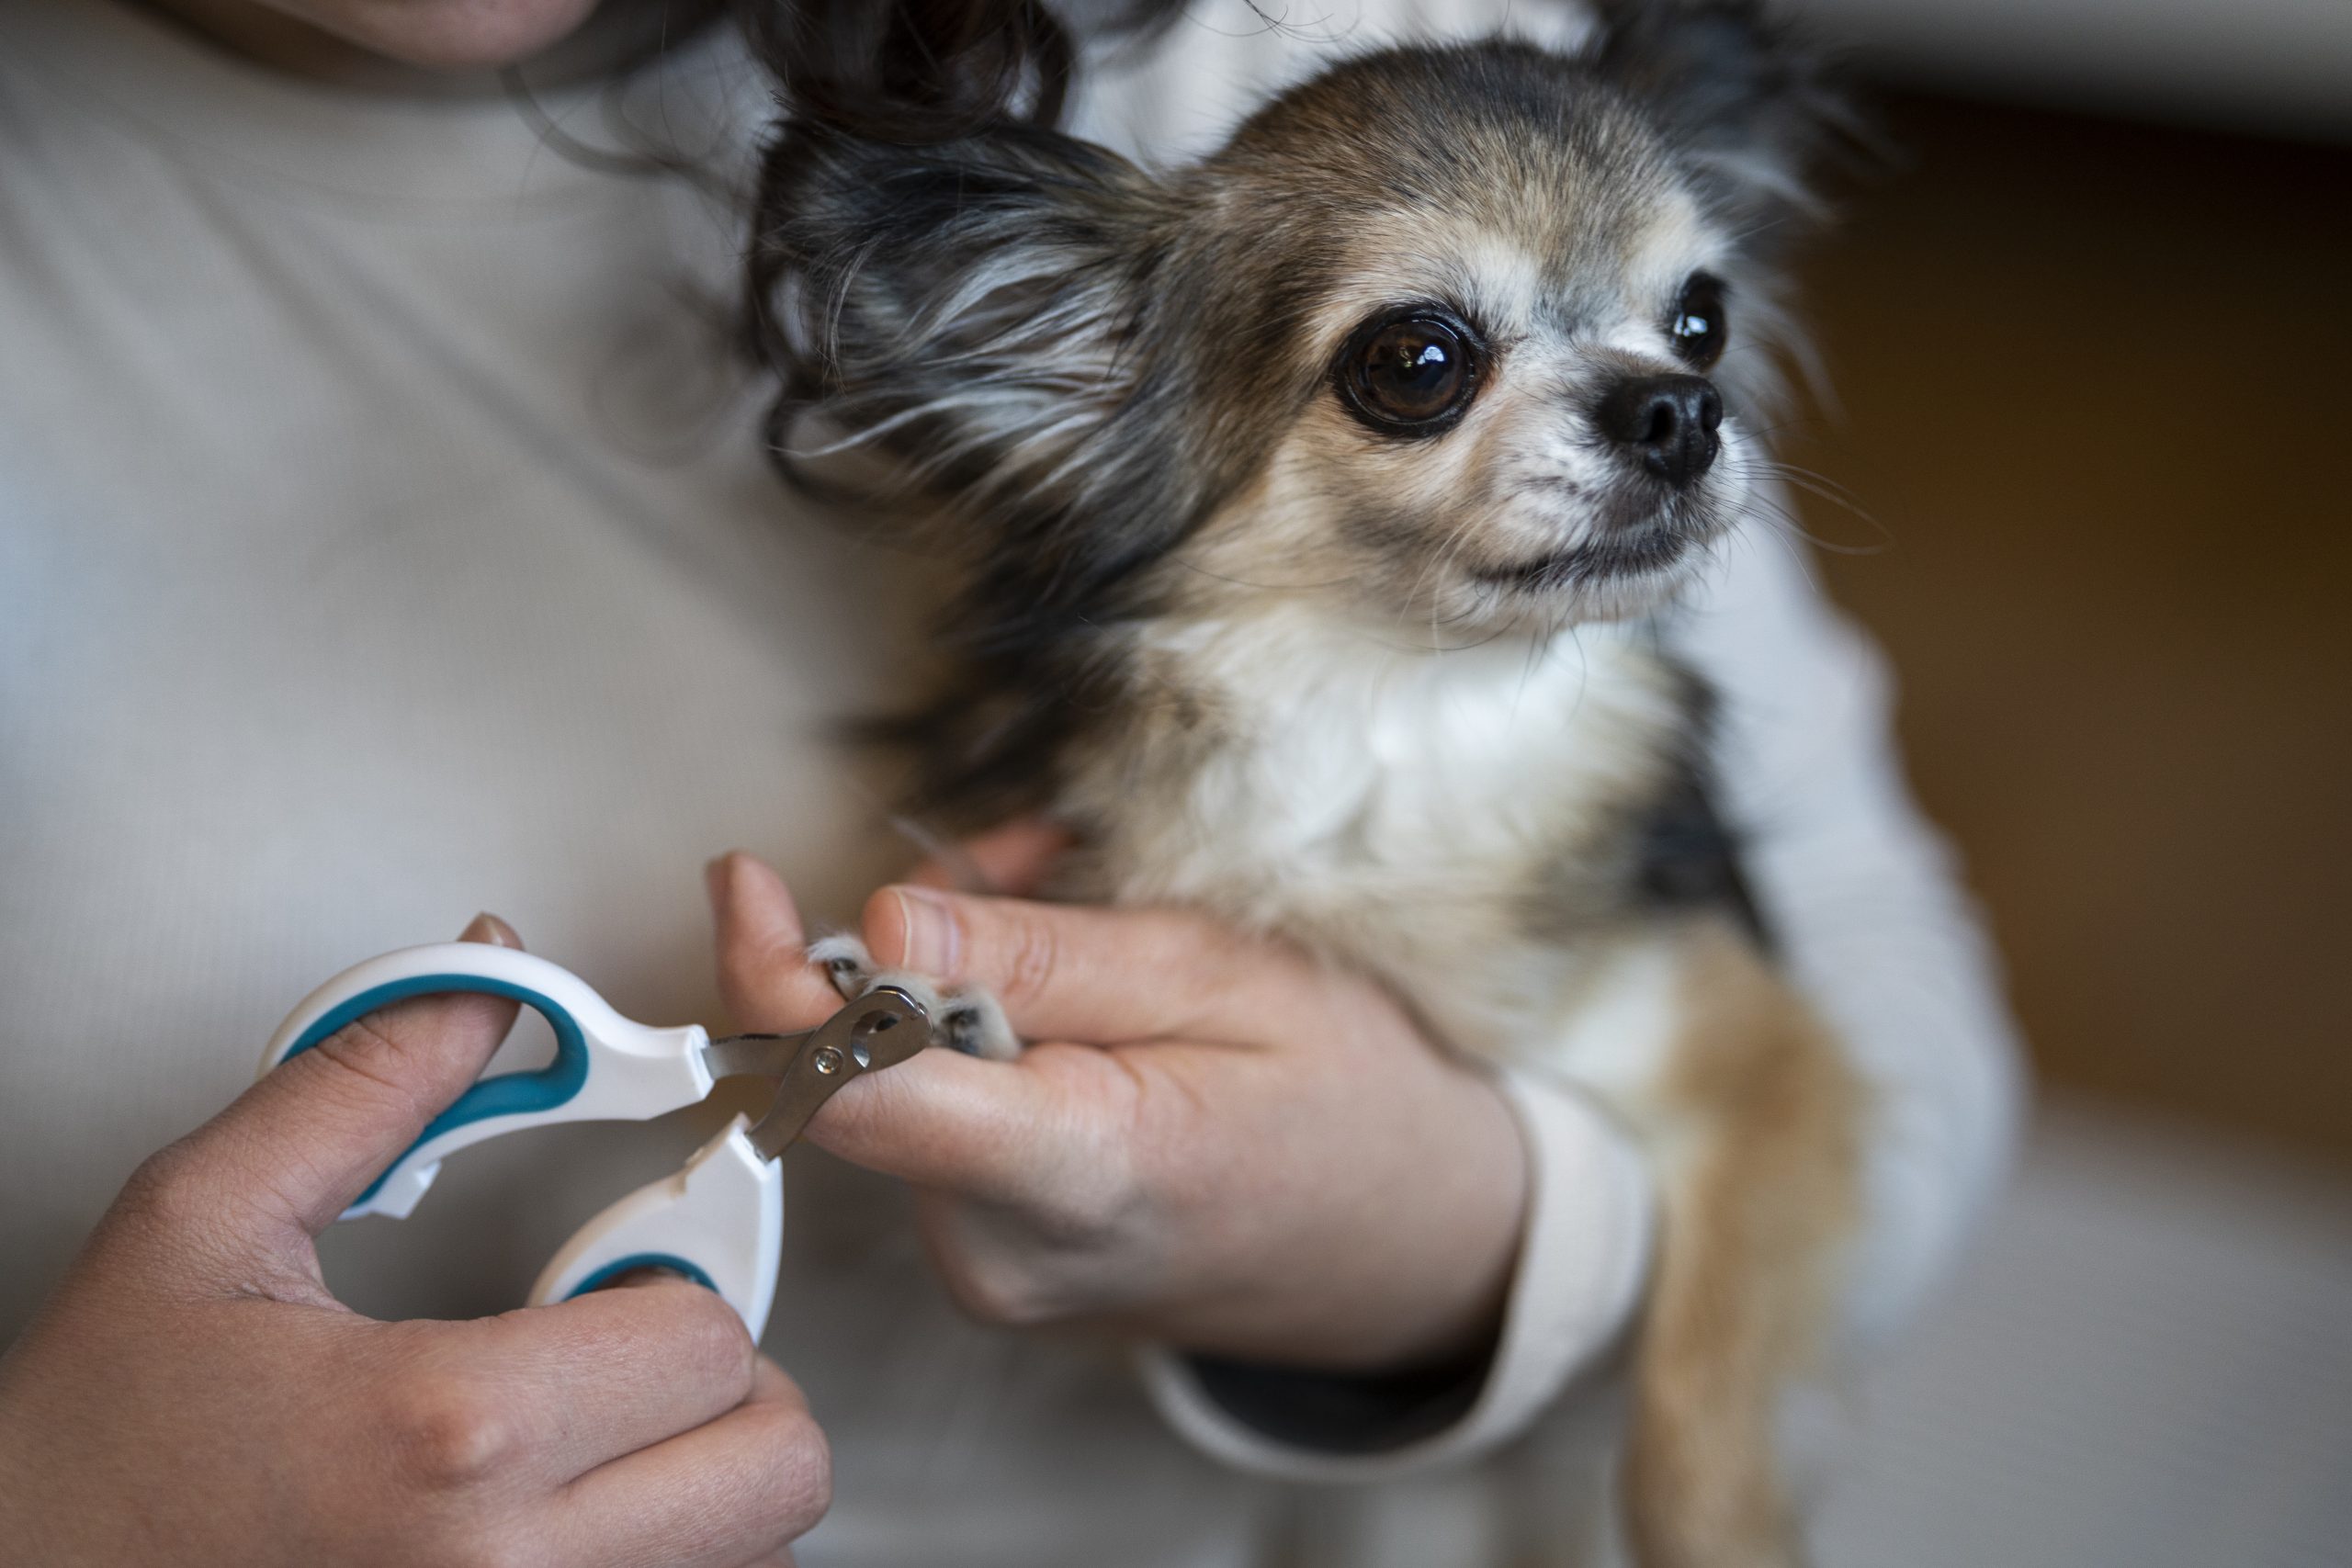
(880,1030)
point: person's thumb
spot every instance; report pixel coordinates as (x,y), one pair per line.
(307,1139)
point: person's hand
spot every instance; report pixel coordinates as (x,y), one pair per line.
(193,1394)
(1215,1143)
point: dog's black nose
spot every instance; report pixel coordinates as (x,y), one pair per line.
(1666,422)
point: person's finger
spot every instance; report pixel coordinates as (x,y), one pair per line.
(1048,1129)
(730,1491)
(940,1119)
(1101,976)
(306,1139)
(586,1380)
(763,970)
(1011,859)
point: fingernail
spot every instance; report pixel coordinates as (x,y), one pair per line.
(488,928)
(933,935)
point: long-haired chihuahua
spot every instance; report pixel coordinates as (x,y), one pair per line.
(1313,505)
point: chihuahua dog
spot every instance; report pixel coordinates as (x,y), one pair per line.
(1313,506)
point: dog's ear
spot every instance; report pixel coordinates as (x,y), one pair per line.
(1747,102)
(967,309)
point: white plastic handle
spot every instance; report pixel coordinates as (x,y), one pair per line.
(607,1068)
(718,1221)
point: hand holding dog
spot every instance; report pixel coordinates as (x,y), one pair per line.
(194,1394)
(1213,1142)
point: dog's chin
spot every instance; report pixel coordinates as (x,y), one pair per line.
(1626,572)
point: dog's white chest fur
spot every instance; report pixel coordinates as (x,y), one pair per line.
(1396,808)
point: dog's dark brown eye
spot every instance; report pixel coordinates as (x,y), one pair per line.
(1700,328)
(1409,373)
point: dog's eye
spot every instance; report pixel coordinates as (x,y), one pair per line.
(1700,327)
(1410,372)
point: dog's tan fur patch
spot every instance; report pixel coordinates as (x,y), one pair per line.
(1762,1191)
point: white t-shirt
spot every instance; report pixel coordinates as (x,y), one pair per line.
(383,536)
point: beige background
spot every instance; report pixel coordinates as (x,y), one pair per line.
(2091,388)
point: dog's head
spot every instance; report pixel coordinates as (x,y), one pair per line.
(1459,338)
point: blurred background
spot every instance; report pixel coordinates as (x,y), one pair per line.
(2087,421)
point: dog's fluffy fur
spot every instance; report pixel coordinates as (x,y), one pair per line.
(1391,692)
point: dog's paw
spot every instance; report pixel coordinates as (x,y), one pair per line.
(965,1020)
(973,1024)
(846,964)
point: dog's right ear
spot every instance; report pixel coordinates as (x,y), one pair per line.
(967,310)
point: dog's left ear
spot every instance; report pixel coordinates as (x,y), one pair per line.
(1744,100)
(967,308)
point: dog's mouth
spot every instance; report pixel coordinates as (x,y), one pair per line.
(1633,553)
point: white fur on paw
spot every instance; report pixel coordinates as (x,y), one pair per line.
(965,1020)
(846,964)
(975,1025)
